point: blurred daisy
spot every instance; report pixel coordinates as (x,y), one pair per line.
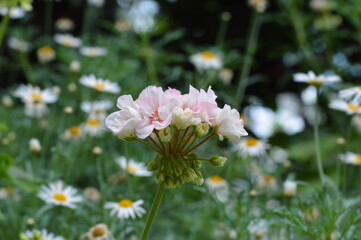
(93,51)
(351,158)
(132,167)
(96,3)
(251,147)
(258,228)
(219,187)
(67,40)
(206,60)
(7,101)
(64,24)
(44,235)
(351,94)
(35,99)
(126,208)
(98,232)
(141,15)
(15,12)
(289,188)
(259,5)
(226,75)
(34,145)
(342,105)
(99,84)
(98,108)
(356,121)
(267,182)
(92,194)
(94,126)
(319,5)
(73,132)
(315,80)
(45,54)
(18,44)
(75,66)
(6,192)
(122,25)
(59,194)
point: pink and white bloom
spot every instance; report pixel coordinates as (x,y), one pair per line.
(229,124)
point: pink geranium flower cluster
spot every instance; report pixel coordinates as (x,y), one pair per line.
(173,122)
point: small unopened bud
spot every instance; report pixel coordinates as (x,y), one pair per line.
(75,66)
(218,161)
(169,183)
(253,193)
(201,130)
(152,166)
(182,118)
(341,141)
(56,90)
(189,175)
(22,236)
(72,87)
(34,145)
(7,101)
(165,135)
(197,164)
(97,150)
(199,181)
(289,188)
(68,110)
(30,222)
(160,177)
(226,16)
(226,75)
(287,163)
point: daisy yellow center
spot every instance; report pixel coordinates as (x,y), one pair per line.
(125,203)
(131,169)
(9,190)
(93,52)
(353,107)
(46,50)
(359,118)
(208,55)
(74,130)
(68,41)
(315,82)
(268,178)
(99,85)
(358,159)
(216,179)
(98,231)
(251,142)
(35,96)
(59,197)
(93,122)
(359,88)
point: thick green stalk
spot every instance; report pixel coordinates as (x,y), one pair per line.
(248,59)
(153,211)
(4,24)
(317,140)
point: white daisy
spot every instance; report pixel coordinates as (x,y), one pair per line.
(267,183)
(251,147)
(132,167)
(73,133)
(122,25)
(99,84)
(98,232)
(312,79)
(64,24)
(67,40)
(35,99)
(93,51)
(126,208)
(351,94)
(75,66)
(258,228)
(6,192)
(219,187)
(45,54)
(206,60)
(259,5)
(34,145)
(142,15)
(59,194)
(97,108)
(289,188)
(94,126)
(342,105)
(18,44)
(44,234)
(92,194)
(15,12)
(7,101)
(96,3)
(351,158)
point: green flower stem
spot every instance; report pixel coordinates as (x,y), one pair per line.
(199,144)
(48,17)
(161,143)
(25,65)
(222,33)
(248,59)
(152,72)
(317,141)
(148,145)
(156,144)
(4,24)
(153,211)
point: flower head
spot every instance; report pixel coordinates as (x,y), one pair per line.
(57,193)
(259,5)
(351,158)
(34,145)
(218,186)
(67,40)
(15,12)
(251,147)
(97,108)
(126,208)
(289,188)
(18,44)
(98,232)
(64,24)
(312,79)
(348,107)
(351,94)
(93,51)
(132,167)
(45,54)
(99,84)
(206,60)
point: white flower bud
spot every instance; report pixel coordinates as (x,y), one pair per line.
(7,101)
(165,135)
(97,150)
(182,118)
(34,145)
(201,130)
(289,188)
(75,66)
(218,161)
(68,110)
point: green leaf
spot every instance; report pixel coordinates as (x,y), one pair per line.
(5,162)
